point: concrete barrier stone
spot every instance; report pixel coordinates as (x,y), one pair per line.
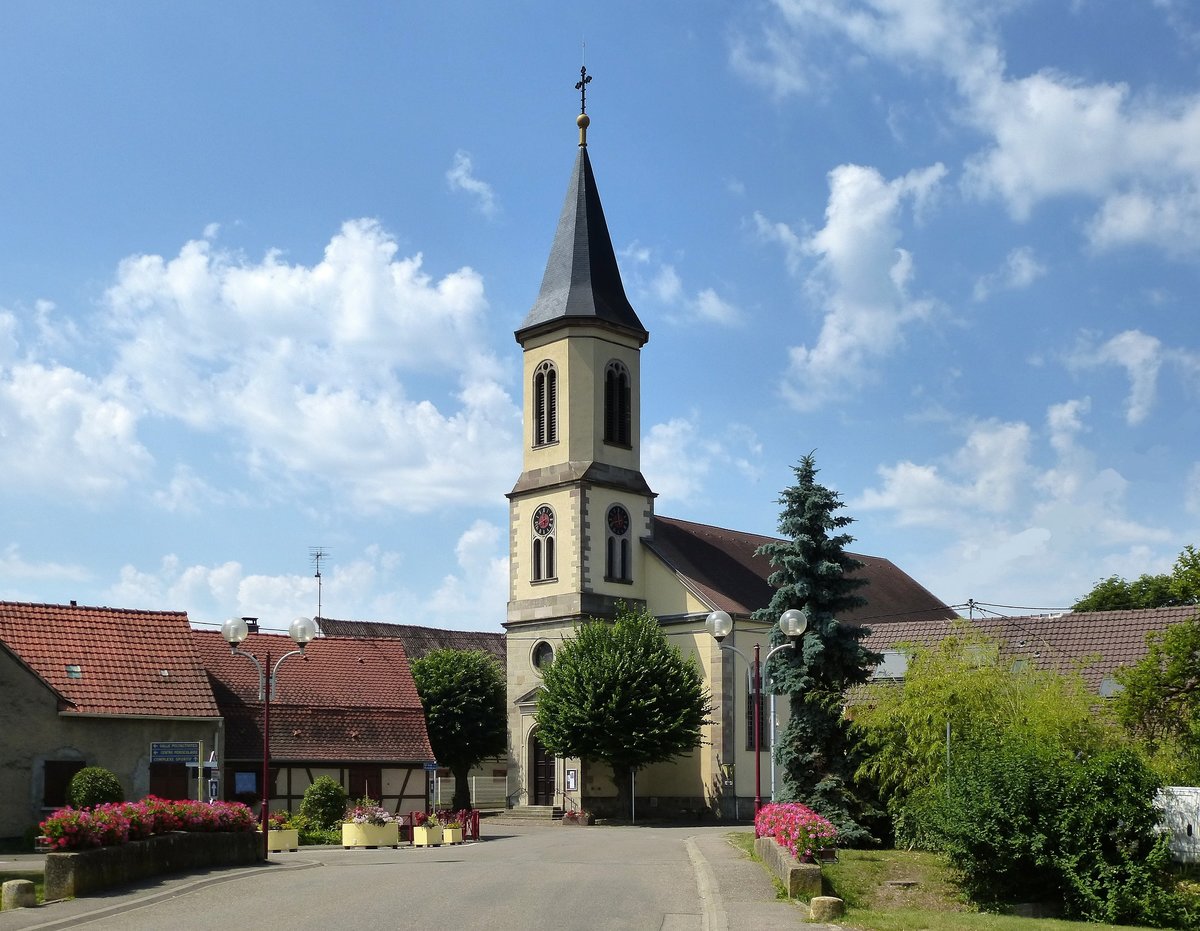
(826,908)
(17,893)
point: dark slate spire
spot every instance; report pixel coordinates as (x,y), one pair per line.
(582,284)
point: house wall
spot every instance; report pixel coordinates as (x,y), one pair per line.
(35,732)
(398,788)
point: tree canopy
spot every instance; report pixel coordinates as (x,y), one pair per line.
(1160,702)
(1179,587)
(463,694)
(620,694)
(814,573)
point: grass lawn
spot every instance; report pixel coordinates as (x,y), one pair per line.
(874,886)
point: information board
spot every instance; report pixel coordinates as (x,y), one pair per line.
(175,751)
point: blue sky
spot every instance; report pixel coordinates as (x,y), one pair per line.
(260,266)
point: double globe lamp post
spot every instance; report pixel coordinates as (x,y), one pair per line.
(793,623)
(302,630)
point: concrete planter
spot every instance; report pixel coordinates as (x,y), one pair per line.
(281,839)
(370,835)
(80,872)
(802,880)
(452,835)
(425,836)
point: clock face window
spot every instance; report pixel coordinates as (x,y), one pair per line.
(543,548)
(618,520)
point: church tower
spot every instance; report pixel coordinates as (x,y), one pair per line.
(581,506)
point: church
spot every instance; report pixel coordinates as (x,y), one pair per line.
(584,537)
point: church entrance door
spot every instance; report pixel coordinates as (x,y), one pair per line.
(542,767)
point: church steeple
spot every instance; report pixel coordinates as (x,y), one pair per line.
(582,284)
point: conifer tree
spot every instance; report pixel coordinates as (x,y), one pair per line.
(813,573)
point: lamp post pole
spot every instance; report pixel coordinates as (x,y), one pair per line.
(235,631)
(793,623)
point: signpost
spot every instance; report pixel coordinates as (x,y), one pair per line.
(175,751)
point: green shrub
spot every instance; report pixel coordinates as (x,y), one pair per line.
(324,803)
(1022,820)
(94,785)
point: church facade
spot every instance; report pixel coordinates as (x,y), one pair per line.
(584,538)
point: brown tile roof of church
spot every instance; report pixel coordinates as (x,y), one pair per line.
(347,698)
(720,566)
(418,640)
(111,661)
(1095,642)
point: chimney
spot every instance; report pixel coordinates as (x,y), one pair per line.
(251,624)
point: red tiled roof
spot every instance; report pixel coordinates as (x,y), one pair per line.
(720,566)
(418,640)
(121,656)
(346,698)
(1094,642)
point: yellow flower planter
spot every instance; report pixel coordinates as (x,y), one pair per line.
(280,839)
(425,836)
(452,835)
(370,835)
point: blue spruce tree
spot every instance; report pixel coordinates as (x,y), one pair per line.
(813,573)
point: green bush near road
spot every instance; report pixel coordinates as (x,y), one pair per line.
(324,803)
(94,785)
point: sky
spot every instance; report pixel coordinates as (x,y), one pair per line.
(261,264)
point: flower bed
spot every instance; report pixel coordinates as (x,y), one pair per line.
(797,828)
(117,823)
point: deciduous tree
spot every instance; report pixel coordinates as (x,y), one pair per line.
(463,694)
(619,693)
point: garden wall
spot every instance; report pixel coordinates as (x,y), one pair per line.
(81,872)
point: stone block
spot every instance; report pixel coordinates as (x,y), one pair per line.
(18,893)
(826,908)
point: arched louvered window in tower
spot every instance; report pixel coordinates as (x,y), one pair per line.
(618,411)
(545,404)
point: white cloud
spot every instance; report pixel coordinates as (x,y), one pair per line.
(1021,269)
(1050,134)
(678,460)
(1010,504)
(473,598)
(361,367)
(15,570)
(1142,357)
(61,431)
(666,287)
(461,177)
(861,279)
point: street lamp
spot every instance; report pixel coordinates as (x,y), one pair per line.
(302,630)
(793,623)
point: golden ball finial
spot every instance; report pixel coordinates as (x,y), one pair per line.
(583,121)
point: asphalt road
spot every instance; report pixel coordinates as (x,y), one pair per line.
(526,877)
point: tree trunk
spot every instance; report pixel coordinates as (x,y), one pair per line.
(462,787)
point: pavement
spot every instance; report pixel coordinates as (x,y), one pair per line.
(734,892)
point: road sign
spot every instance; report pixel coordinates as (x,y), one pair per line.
(431,766)
(175,751)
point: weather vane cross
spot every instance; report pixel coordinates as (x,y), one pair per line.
(584,80)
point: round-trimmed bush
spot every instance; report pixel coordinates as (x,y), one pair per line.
(324,803)
(92,786)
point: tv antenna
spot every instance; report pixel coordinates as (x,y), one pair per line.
(315,555)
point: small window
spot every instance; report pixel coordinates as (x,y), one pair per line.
(545,404)
(543,655)
(58,775)
(74,671)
